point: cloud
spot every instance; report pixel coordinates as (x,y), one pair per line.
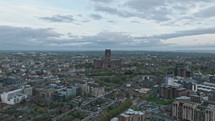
(20,38)
(102,1)
(96,16)
(152,5)
(158,15)
(85,21)
(157,10)
(134,21)
(206,13)
(111,21)
(59,18)
(115,40)
(198,31)
(24,37)
(113,11)
(142,5)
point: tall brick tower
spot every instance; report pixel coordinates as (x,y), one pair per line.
(108,55)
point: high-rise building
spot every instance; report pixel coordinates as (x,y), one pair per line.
(193,110)
(171,92)
(184,110)
(181,71)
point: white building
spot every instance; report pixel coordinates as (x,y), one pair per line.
(168,80)
(115,119)
(206,87)
(131,115)
(16,96)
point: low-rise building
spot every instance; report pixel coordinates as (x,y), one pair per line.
(206,87)
(27,89)
(75,91)
(97,91)
(48,91)
(16,96)
(85,88)
(189,84)
(131,115)
(115,119)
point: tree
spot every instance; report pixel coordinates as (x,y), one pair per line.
(41,110)
(116,111)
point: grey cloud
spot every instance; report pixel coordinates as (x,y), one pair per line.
(113,11)
(148,5)
(181,34)
(208,48)
(206,13)
(96,16)
(47,39)
(158,15)
(161,10)
(108,38)
(150,9)
(59,18)
(85,21)
(24,37)
(116,40)
(102,1)
(111,21)
(8,32)
(134,21)
(125,40)
(157,10)
(141,5)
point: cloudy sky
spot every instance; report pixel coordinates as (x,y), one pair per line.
(99,24)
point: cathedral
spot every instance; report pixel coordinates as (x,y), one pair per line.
(107,62)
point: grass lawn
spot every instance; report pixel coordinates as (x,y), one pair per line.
(156,100)
(160,101)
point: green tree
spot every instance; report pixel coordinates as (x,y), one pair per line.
(41,110)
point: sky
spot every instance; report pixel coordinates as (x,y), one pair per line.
(155,25)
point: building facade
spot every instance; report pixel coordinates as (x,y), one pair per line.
(171,92)
(193,110)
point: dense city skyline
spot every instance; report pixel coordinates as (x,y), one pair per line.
(116,24)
